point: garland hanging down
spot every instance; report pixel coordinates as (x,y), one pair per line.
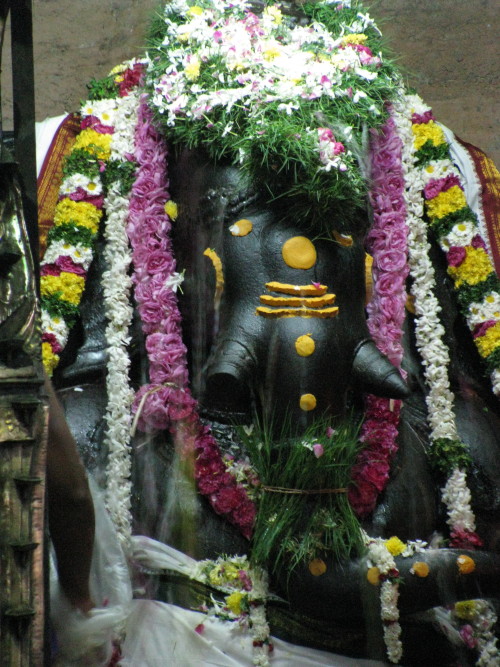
(386,312)
(167,402)
(447,452)
(89,171)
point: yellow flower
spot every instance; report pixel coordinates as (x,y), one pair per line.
(355,38)
(475,268)
(465,564)
(50,360)
(420,569)
(192,69)
(395,546)
(274,13)
(80,213)
(490,341)
(215,577)
(231,572)
(446,202)
(466,609)
(171,209)
(195,11)
(68,285)
(118,69)
(271,52)
(233,602)
(426,131)
(373,576)
(95,143)
(338,61)
(224,573)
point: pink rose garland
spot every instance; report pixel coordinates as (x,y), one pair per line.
(387,243)
(167,402)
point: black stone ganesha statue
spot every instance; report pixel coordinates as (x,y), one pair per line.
(274,322)
(292,335)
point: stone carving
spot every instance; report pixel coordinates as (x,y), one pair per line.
(22,438)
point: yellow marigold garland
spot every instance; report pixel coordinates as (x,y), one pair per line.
(67,286)
(81,213)
(455,224)
(95,143)
(475,268)
(446,202)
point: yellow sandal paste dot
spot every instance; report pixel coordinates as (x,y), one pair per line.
(420,569)
(317,567)
(304,345)
(241,227)
(299,253)
(466,564)
(373,576)
(307,402)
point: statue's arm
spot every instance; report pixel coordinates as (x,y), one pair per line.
(344,589)
(70,508)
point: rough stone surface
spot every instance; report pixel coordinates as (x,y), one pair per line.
(449,49)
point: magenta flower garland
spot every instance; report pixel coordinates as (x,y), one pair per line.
(387,243)
(167,401)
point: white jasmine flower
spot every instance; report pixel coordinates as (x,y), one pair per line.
(55,325)
(461,234)
(104,110)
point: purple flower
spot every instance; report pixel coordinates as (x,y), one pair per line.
(65,263)
(318,450)
(437,185)
(422,118)
(456,255)
(467,634)
(478,242)
(480,329)
(167,402)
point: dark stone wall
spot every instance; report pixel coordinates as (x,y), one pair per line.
(448,47)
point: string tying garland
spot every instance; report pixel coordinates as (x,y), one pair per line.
(307,492)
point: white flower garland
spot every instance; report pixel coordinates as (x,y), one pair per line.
(117,291)
(234,575)
(380,557)
(429,331)
(484,624)
(435,356)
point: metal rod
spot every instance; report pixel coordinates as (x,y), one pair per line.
(23,88)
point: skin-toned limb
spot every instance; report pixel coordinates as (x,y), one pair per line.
(70,508)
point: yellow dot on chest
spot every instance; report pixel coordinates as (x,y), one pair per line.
(307,402)
(299,253)
(304,345)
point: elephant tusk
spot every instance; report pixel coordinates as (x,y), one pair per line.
(375,374)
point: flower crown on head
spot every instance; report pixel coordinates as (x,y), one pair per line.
(287,99)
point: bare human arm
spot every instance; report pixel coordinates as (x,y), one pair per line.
(70,508)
